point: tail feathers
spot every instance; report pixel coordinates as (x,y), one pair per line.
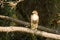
(34,37)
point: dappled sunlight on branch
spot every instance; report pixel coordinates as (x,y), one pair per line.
(23,29)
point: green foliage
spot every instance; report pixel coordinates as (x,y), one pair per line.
(47,10)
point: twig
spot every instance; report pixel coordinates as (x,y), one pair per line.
(37,32)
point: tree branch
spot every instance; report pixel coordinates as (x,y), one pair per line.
(14,20)
(37,32)
(28,24)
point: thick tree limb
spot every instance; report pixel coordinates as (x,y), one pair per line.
(37,32)
(28,24)
(14,20)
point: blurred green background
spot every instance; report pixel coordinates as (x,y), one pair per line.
(49,13)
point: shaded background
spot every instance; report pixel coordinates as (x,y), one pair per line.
(49,11)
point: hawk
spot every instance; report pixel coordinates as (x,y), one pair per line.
(34,20)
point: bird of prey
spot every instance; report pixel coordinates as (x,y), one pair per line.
(34,20)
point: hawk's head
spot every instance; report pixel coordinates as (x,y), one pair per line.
(35,12)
